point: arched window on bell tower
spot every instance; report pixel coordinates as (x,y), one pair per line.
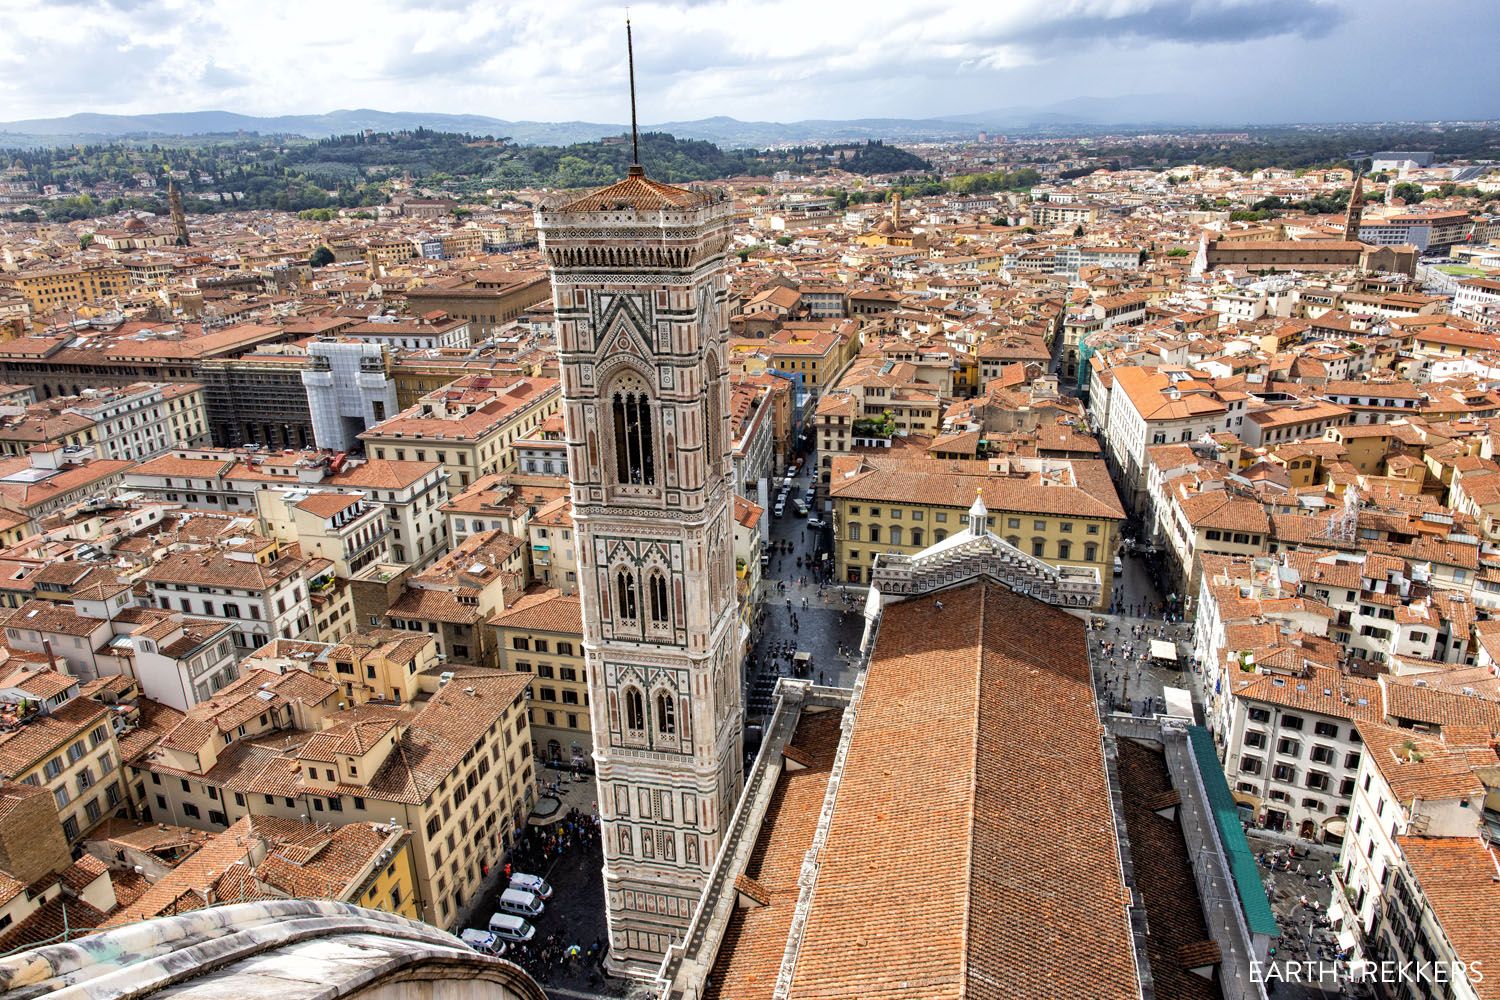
(633,431)
(635,710)
(626,599)
(656,596)
(666,715)
(713,412)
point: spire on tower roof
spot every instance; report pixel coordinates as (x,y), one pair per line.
(635,136)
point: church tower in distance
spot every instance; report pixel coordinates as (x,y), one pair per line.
(639,287)
(179,218)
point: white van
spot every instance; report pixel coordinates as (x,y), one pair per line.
(521,903)
(485,942)
(534,884)
(511,928)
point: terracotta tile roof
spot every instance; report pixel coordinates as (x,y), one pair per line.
(543,609)
(1164,876)
(750,955)
(1420,766)
(1003,731)
(637,192)
(43,736)
(63,914)
(1086,492)
(1457,879)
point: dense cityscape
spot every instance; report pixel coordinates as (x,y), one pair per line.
(1058,563)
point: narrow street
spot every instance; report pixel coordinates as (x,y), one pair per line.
(798,612)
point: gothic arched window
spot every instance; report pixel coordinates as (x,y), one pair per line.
(625,595)
(656,592)
(635,709)
(713,417)
(633,428)
(666,714)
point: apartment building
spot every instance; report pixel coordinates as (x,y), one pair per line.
(430,331)
(100,632)
(502,503)
(69,286)
(1416,874)
(456,772)
(381,665)
(1151,406)
(255,584)
(1293,751)
(469,427)
(369,864)
(451,599)
(411,492)
(541,634)
(344,528)
(488,300)
(70,750)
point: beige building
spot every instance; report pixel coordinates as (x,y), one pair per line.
(70,750)
(456,773)
(452,599)
(542,634)
(344,528)
(1064,512)
(469,427)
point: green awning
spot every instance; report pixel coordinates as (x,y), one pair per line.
(1247,883)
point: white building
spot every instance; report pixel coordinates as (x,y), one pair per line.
(1149,406)
(349,390)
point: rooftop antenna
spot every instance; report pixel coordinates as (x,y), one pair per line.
(635,136)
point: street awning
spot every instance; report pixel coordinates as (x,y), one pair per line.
(1335,826)
(1246,799)
(1163,650)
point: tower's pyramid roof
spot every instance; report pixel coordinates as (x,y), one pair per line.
(638,192)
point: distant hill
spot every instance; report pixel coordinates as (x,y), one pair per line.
(1084,114)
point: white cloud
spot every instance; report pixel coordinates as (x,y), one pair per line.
(564,59)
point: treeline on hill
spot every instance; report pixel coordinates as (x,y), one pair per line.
(1301,148)
(351,171)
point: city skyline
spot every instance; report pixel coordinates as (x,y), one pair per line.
(1184,61)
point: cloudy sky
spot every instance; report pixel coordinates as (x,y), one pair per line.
(1215,60)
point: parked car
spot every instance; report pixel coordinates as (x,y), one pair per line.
(779,509)
(1119,566)
(815,522)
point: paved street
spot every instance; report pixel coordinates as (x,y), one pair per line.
(575,914)
(1303,939)
(832,617)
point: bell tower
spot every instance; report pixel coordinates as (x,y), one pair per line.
(639,289)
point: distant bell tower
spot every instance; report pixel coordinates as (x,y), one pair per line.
(179,219)
(640,296)
(1356,206)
